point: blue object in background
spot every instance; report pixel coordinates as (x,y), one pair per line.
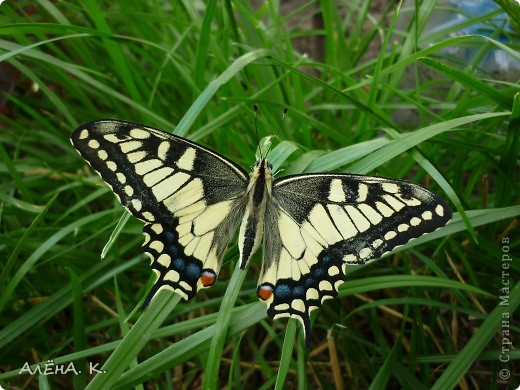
(451,13)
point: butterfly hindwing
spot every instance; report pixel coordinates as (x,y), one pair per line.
(319,223)
(190,198)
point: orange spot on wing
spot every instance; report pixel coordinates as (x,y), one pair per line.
(265,292)
(208,278)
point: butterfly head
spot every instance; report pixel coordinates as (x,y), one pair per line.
(262,164)
(260,180)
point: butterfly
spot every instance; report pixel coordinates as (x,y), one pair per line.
(192,199)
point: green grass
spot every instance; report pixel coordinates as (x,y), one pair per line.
(429,314)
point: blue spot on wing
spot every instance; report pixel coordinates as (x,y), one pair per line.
(282,291)
(298,292)
(173,250)
(193,272)
(170,237)
(179,264)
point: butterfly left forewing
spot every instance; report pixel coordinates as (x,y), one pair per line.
(318,223)
(190,198)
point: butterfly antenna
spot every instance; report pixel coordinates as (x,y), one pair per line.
(256,131)
(278,131)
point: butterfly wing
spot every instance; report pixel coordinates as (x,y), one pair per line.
(190,198)
(316,224)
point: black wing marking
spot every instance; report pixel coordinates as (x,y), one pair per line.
(318,223)
(190,198)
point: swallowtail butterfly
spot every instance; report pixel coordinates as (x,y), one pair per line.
(191,200)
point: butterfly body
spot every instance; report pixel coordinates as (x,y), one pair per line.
(259,193)
(191,200)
